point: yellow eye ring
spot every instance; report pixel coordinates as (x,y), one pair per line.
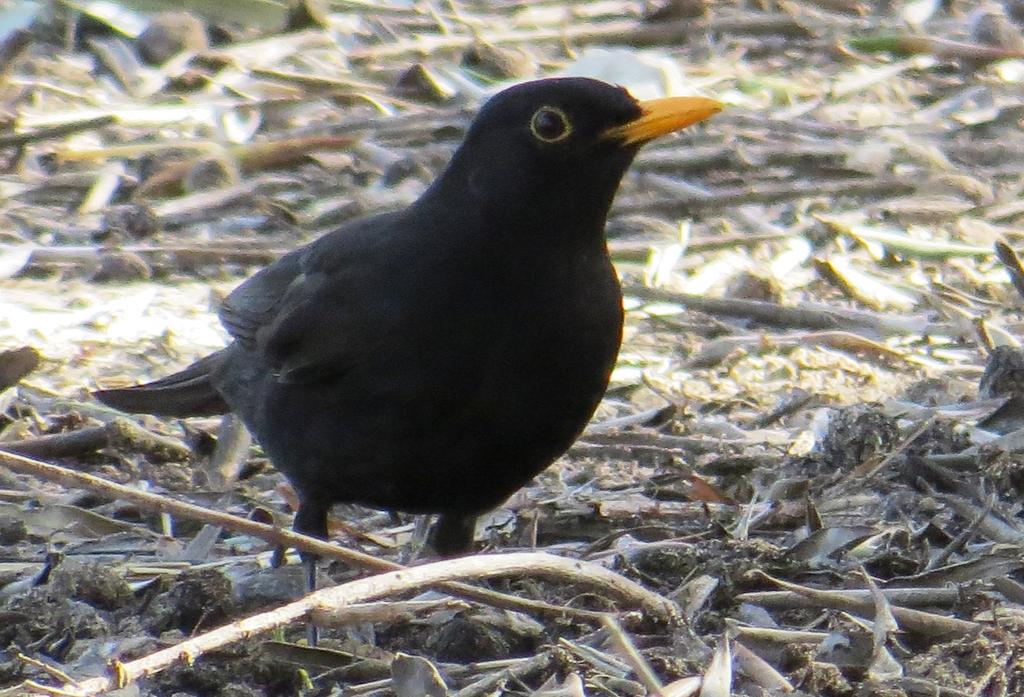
(550,125)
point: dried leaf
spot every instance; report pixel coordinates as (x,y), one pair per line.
(684,687)
(718,676)
(14,258)
(415,676)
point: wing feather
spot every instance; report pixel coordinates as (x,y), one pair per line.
(294,311)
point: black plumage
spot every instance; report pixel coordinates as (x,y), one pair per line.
(435,359)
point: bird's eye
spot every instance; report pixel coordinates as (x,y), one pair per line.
(550,124)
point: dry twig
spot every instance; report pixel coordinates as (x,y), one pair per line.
(654,606)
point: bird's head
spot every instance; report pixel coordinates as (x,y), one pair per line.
(558,147)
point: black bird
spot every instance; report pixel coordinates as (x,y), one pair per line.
(435,359)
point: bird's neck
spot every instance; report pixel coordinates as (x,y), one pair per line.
(561,215)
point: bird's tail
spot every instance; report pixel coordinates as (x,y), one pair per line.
(185,393)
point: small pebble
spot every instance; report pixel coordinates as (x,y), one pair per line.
(121,266)
(169,34)
(498,62)
(131,221)
(1004,373)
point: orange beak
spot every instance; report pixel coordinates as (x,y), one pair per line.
(661,116)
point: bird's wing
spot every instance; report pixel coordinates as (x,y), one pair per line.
(256,302)
(316,310)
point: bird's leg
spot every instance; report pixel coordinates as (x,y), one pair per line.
(311,519)
(277,558)
(453,534)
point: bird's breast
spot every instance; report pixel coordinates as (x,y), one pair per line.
(554,350)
